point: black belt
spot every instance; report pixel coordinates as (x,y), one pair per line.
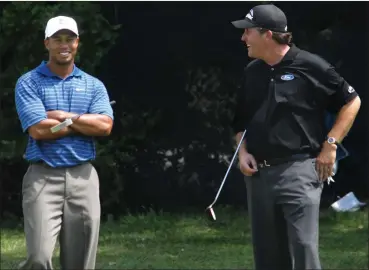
(277,161)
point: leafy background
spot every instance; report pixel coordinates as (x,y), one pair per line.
(173,69)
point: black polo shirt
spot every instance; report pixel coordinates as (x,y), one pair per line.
(283,107)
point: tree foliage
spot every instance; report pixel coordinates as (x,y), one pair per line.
(171,142)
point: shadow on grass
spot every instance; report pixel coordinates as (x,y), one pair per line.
(337,231)
(173,241)
(10,261)
(232,229)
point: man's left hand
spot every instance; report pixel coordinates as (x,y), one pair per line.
(325,161)
(59,115)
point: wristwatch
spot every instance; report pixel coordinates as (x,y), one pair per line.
(332,140)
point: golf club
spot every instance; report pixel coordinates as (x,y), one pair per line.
(67,122)
(209,209)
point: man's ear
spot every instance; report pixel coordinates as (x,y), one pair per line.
(46,43)
(269,34)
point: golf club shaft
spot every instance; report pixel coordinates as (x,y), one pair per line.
(229,168)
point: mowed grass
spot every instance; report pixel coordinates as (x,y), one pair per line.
(165,241)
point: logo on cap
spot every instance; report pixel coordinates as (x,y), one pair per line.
(351,89)
(287,77)
(61,21)
(250,15)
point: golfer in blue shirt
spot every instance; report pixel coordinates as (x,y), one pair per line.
(61,187)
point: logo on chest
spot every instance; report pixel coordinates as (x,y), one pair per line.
(287,77)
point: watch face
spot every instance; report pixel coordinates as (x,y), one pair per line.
(331,140)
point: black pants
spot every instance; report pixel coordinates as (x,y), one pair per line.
(283,202)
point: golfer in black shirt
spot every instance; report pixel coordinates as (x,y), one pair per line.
(287,153)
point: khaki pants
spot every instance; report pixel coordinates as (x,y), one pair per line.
(65,201)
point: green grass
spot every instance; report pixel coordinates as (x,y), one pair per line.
(164,241)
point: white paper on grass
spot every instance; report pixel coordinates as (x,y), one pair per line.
(348,203)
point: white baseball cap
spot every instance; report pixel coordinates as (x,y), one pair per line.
(58,23)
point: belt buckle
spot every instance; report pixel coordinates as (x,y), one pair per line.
(264,164)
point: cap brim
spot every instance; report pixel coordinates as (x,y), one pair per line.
(243,24)
(57,30)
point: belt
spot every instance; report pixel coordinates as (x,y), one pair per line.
(38,162)
(43,163)
(277,161)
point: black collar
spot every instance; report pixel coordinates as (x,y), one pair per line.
(288,57)
(291,54)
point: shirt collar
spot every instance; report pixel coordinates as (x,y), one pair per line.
(291,53)
(44,70)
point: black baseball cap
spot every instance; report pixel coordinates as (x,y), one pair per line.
(265,16)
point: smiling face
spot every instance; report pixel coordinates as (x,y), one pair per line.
(62,47)
(256,42)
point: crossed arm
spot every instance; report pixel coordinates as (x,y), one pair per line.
(86,124)
(38,122)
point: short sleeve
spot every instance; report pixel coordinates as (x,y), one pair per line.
(338,91)
(248,100)
(238,123)
(101,103)
(28,104)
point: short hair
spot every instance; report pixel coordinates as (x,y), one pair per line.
(280,38)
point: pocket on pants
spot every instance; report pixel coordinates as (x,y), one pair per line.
(34,181)
(314,171)
(95,178)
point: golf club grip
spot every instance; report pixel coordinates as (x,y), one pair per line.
(229,168)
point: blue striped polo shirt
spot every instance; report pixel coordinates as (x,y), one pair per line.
(39,91)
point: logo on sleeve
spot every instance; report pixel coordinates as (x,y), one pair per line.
(351,89)
(287,77)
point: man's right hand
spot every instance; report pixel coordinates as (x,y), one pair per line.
(248,164)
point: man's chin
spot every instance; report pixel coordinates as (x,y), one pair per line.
(63,62)
(251,55)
